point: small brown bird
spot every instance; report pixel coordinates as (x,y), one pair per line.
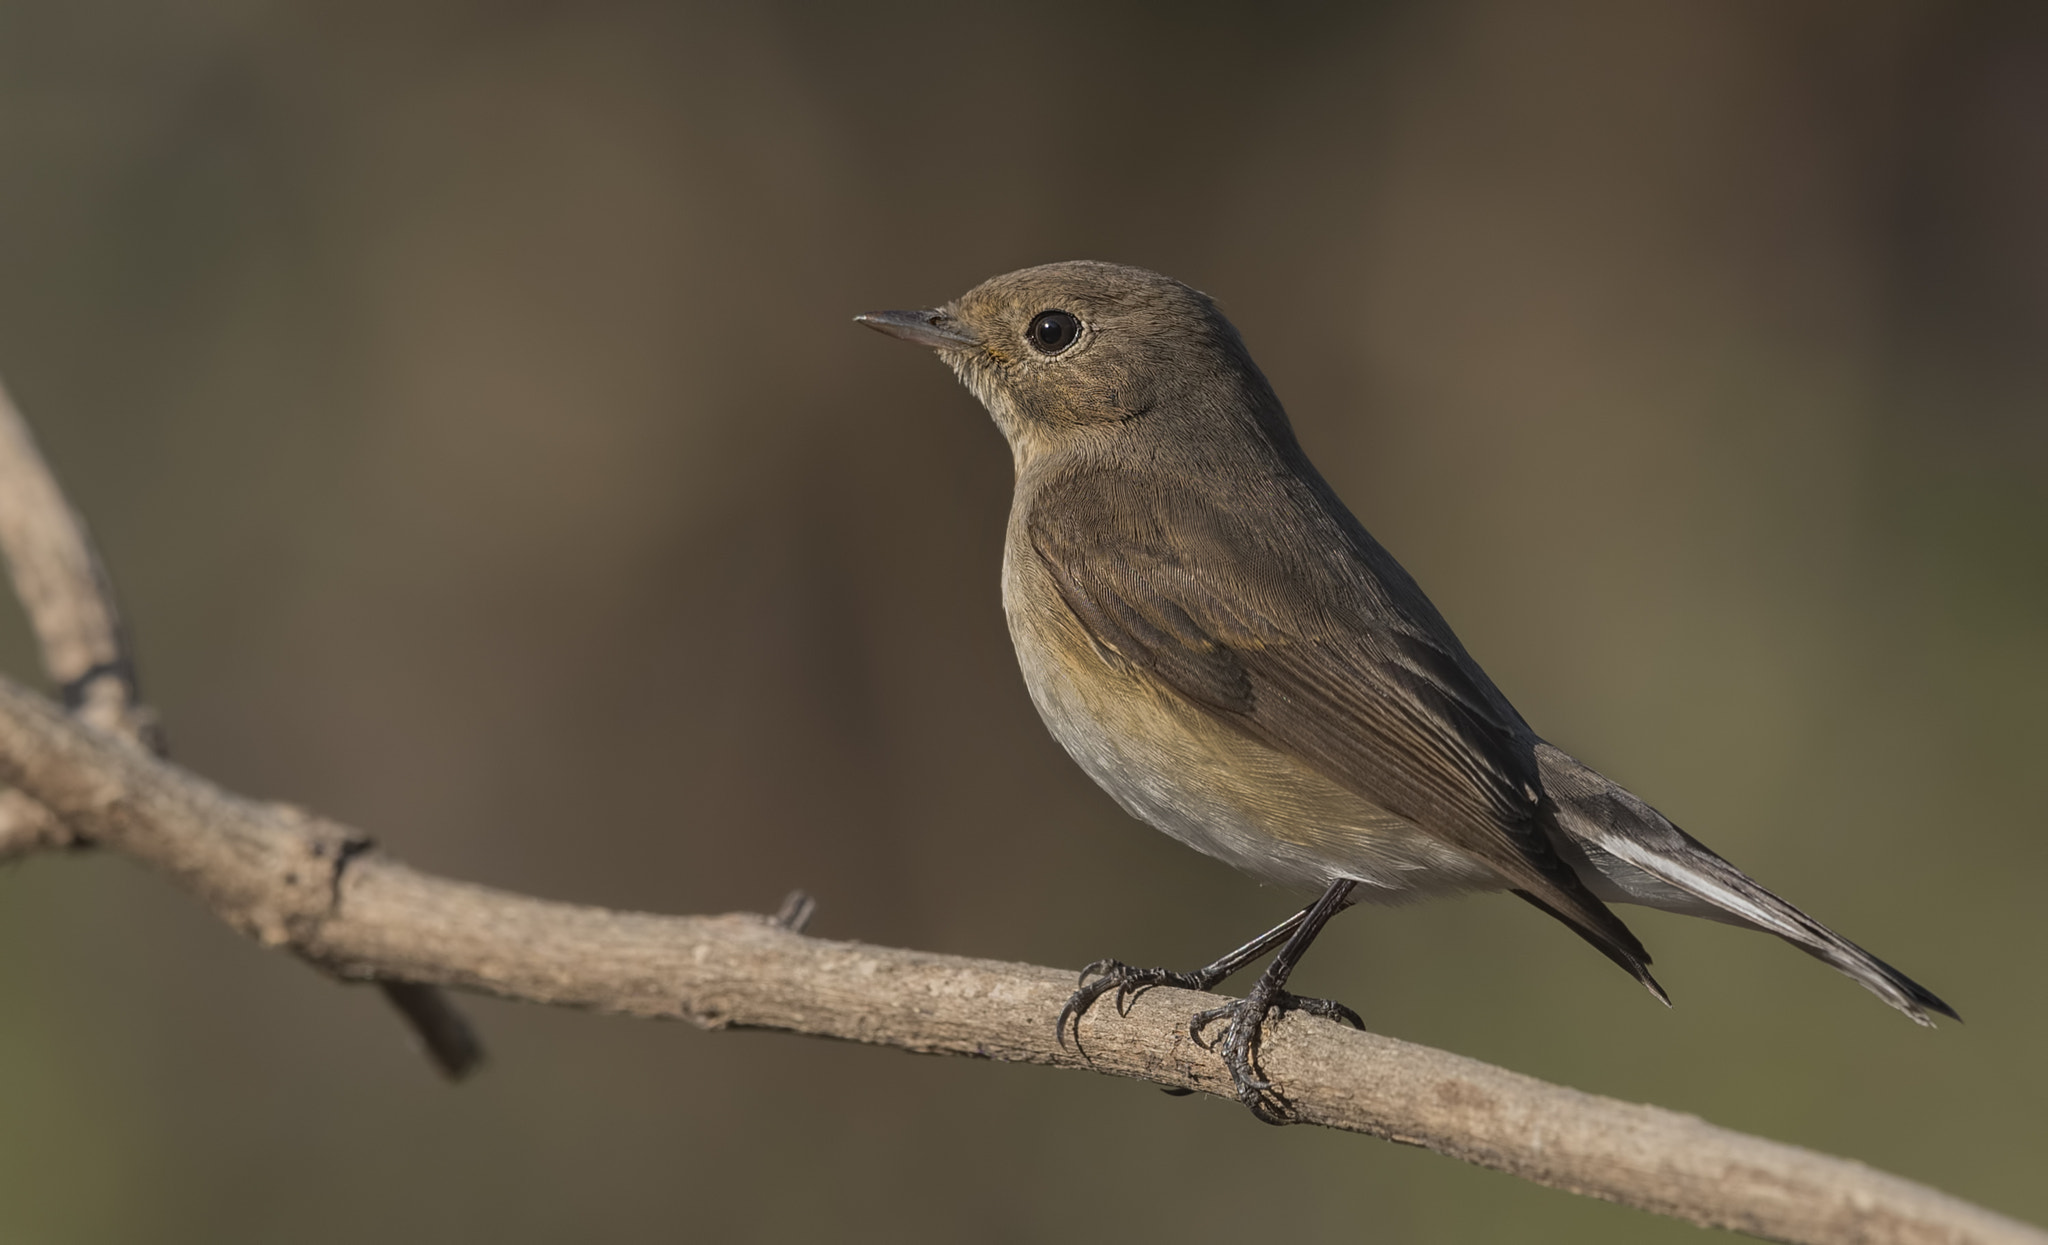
(1222,646)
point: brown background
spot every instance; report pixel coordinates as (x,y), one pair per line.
(466,400)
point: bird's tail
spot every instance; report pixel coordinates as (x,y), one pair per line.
(1628,853)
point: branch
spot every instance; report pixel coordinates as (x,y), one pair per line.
(321,890)
(70,607)
(69,599)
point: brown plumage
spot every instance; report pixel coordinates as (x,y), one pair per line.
(1227,651)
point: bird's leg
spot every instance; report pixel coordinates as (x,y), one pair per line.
(1103,976)
(1239,1045)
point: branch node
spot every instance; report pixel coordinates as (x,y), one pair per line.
(798,907)
(69,599)
(352,845)
(444,1032)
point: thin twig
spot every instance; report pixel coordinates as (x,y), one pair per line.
(64,590)
(319,889)
(69,599)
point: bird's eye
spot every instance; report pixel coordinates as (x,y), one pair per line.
(1053,331)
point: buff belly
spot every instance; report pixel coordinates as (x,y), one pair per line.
(1176,767)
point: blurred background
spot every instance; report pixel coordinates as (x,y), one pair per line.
(466,399)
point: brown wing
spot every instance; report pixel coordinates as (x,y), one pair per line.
(1327,652)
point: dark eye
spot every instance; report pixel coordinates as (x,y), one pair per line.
(1053,331)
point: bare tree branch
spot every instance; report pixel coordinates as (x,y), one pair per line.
(64,589)
(69,599)
(321,890)
(70,606)
(297,881)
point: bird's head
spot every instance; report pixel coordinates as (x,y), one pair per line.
(1064,352)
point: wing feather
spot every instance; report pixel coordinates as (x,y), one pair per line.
(1329,654)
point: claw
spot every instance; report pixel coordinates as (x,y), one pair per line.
(1240,1041)
(1103,976)
(1101,968)
(1202,1020)
(1077,1006)
(1239,1044)
(1328,1009)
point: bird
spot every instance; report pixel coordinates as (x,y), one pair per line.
(1219,643)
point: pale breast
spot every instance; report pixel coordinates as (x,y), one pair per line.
(1171,764)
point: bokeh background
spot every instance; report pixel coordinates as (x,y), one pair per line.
(466,399)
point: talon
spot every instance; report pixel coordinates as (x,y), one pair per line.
(1265,1114)
(1077,1005)
(1240,1043)
(1100,968)
(1099,979)
(1202,1020)
(1330,1009)
(1242,1038)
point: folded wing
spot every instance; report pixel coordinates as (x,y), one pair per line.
(1324,651)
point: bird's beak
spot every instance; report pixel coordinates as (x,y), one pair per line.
(930,327)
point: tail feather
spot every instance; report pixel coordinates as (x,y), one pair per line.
(1627,852)
(1629,954)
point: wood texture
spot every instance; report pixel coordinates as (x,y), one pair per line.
(63,590)
(297,881)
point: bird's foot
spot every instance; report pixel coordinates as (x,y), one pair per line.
(1239,1045)
(1106,976)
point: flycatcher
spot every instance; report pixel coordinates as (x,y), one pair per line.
(1222,646)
